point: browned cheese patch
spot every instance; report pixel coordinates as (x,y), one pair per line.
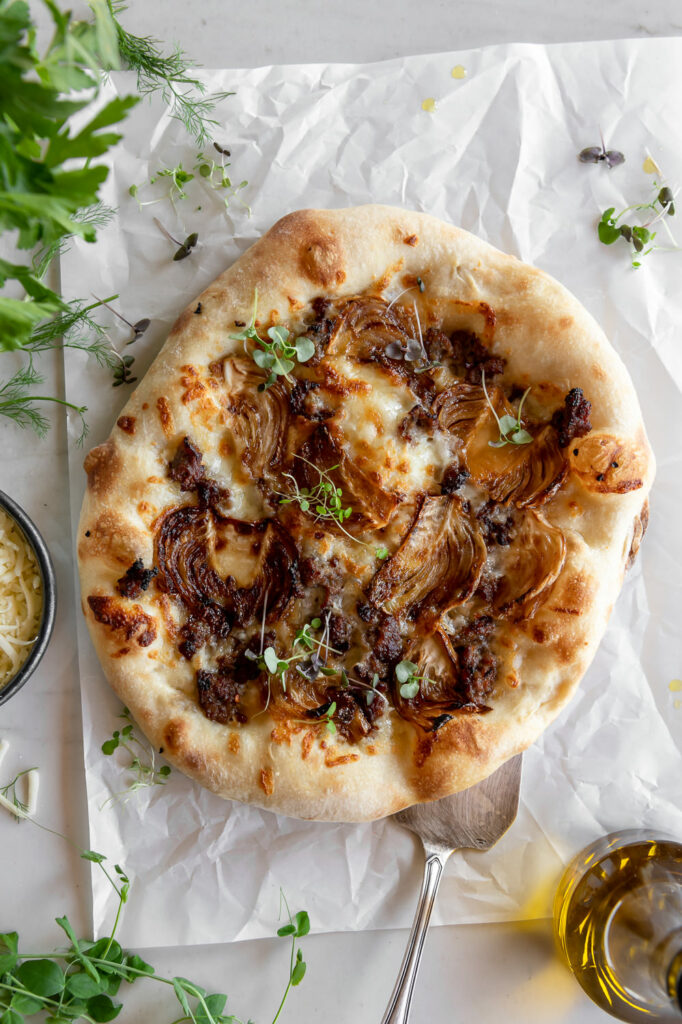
(165,415)
(335,762)
(266,781)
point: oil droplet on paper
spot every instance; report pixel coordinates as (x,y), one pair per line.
(676,686)
(459,71)
(429,105)
(677,704)
(650,166)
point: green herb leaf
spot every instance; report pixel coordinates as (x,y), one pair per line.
(41,977)
(82,986)
(521,437)
(409,690)
(102,1008)
(404,669)
(298,973)
(271,660)
(302,922)
(305,349)
(96,858)
(607,233)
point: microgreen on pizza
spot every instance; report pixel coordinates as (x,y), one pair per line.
(410,682)
(510,427)
(280,354)
(324,501)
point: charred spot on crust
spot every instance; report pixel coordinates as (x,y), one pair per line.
(126,424)
(573,420)
(322,262)
(131,623)
(135,580)
(103,467)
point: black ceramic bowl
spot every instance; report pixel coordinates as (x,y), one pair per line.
(49,582)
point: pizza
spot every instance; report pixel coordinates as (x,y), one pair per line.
(354,539)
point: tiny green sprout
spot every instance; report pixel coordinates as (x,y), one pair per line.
(382,553)
(327,718)
(406,675)
(142,760)
(324,499)
(279,355)
(215,175)
(640,237)
(420,284)
(510,427)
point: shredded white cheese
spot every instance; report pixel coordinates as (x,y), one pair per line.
(21,598)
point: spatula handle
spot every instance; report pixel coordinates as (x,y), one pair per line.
(398,1008)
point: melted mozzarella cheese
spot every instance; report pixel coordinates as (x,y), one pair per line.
(20,598)
(370,423)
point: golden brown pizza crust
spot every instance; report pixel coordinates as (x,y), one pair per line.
(549,342)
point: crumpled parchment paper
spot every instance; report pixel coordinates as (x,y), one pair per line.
(498,157)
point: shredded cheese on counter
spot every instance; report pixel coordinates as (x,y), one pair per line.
(21,598)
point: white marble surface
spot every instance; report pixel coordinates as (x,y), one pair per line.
(484,973)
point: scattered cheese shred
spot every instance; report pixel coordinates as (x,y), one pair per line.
(33,784)
(20,598)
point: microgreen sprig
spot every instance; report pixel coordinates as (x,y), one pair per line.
(142,763)
(310,666)
(298,926)
(600,154)
(214,173)
(185,248)
(324,500)
(406,674)
(510,427)
(177,177)
(278,355)
(660,206)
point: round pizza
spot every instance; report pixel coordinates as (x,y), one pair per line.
(354,539)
